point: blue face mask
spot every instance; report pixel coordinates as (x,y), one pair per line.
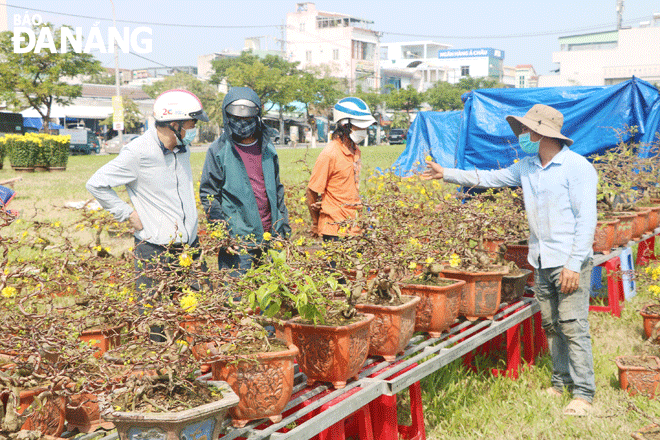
(189,137)
(527,145)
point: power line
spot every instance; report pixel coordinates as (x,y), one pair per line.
(144,22)
(534,34)
(454,37)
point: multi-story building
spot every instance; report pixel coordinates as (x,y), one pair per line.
(526,76)
(413,63)
(477,63)
(610,57)
(339,45)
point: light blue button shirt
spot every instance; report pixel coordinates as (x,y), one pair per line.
(560,200)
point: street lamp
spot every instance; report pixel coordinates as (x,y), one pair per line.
(117,92)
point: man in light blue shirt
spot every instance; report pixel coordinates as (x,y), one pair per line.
(559,188)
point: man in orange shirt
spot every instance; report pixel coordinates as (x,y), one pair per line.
(333,189)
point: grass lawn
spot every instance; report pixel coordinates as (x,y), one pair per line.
(457,404)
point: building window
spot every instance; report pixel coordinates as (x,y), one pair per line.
(465,70)
(308,56)
(335,54)
(302,27)
(521,82)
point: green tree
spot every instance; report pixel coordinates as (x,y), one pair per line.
(318,95)
(468,83)
(404,99)
(444,96)
(211,99)
(132,116)
(37,79)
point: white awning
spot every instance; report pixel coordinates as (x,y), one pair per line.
(72,111)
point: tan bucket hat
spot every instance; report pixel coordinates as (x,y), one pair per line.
(542,119)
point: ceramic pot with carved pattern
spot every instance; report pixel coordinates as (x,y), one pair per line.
(331,353)
(438,306)
(263,383)
(392,327)
(482,291)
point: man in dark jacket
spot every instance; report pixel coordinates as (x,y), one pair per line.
(240,182)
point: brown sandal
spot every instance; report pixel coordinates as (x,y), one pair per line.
(578,407)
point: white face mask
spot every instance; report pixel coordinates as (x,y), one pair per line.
(358,136)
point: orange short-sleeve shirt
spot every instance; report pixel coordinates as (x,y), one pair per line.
(336,175)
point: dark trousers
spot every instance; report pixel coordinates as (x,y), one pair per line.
(150,257)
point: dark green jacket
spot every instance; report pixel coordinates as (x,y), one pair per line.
(225,179)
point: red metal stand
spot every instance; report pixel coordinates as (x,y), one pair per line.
(533,340)
(645,251)
(384,414)
(358,425)
(615,293)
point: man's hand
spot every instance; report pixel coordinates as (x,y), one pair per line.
(433,171)
(568,281)
(135,222)
(316,206)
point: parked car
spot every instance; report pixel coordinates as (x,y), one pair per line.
(112,145)
(276,137)
(396,136)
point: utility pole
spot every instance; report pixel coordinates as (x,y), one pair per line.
(619,14)
(117,91)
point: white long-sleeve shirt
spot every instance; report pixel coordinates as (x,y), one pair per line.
(560,201)
(160,185)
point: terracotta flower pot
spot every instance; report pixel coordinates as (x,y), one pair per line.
(392,327)
(653,218)
(103,338)
(438,308)
(651,316)
(331,354)
(263,383)
(605,237)
(481,294)
(513,286)
(626,228)
(641,222)
(649,432)
(203,421)
(49,419)
(518,254)
(83,414)
(639,375)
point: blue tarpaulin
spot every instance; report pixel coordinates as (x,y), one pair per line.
(478,137)
(38,124)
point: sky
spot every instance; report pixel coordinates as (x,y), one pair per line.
(527,31)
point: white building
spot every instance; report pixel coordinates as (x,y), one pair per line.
(477,63)
(605,58)
(342,45)
(205,63)
(526,77)
(413,63)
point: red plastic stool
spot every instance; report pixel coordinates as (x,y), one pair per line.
(645,251)
(615,292)
(384,414)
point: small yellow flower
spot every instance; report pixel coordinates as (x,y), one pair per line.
(412,265)
(516,160)
(9,292)
(429,158)
(189,302)
(267,236)
(185,260)
(278,245)
(454,260)
(430,260)
(303,199)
